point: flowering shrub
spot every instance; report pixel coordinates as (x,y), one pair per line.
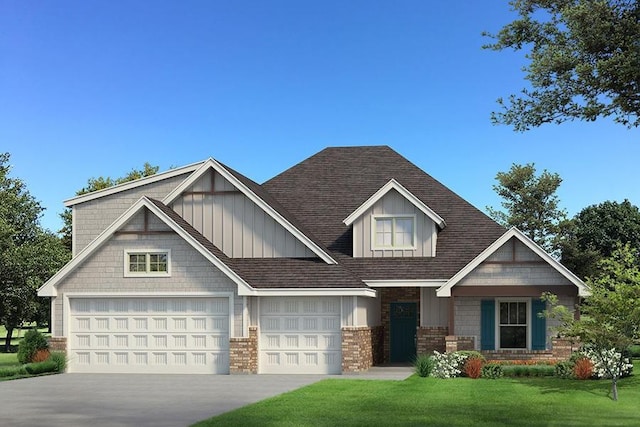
(606,363)
(447,365)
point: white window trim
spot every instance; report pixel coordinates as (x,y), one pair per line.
(128,273)
(497,322)
(376,247)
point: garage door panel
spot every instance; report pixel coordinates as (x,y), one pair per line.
(149,335)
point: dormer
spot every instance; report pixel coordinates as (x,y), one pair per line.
(394,223)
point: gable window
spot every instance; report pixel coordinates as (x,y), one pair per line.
(394,232)
(147,263)
(513,324)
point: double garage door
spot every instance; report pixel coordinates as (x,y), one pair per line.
(149,335)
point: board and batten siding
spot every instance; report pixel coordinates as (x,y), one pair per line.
(393,203)
(234,223)
(94,216)
(103,272)
(434,310)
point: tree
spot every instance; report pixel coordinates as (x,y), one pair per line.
(584,62)
(595,232)
(610,315)
(100,183)
(28,254)
(531,203)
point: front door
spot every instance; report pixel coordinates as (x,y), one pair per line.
(404,319)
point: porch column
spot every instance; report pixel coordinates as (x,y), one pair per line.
(451,314)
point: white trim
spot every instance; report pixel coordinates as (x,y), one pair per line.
(49,288)
(132,184)
(445,290)
(212,164)
(74,243)
(393,218)
(52,319)
(245,317)
(146,252)
(394,185)
(409,283)
(308,292)
(528,325)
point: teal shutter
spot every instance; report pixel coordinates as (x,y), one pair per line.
(488,324)
(538,325)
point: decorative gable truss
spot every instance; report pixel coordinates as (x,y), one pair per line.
(394,222)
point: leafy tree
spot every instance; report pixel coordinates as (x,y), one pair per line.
(583,61)
(531,203)
(596,231)
(610,315)
(100,183)
(28,254)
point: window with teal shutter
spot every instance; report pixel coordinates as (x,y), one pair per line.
(488,324)
(538,325)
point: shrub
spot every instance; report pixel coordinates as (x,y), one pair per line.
(607,361)
(32,342)
(492,371)
(564,370)
(12,371)
(634,351)
(40,355)
(583,368)
(473,367)
(41,367)
(447,365)
(60,359)
(528,370)
(472,354)
(423,365)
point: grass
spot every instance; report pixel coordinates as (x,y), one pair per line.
(8,360)
(453,402)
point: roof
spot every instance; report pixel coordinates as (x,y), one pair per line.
(326,188)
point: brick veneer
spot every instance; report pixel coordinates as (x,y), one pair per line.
(431,338)
(389,295)
(357,349)
(459,343)
(563,347)
(58,344)
(243,353)
(377,344)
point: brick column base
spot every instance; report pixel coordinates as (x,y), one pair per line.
(562,348)
(58,344)
(357,349)
(243,353)
(458,343)
(431,338)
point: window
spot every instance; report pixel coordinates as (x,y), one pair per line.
(396,232)
(147,263)
(513,324)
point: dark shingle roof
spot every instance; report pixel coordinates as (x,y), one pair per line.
(324,189)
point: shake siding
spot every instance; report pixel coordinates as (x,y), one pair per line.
(93,217)
(393,203)
(234,223)
(514,275)
(467,318)
(104,272)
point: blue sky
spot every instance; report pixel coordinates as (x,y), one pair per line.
(93,89)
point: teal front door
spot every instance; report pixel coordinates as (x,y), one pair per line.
(403,319)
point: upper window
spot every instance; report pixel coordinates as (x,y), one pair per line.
(394,232)
(513,324)
(147,263)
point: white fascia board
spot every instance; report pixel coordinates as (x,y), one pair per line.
(132,184)
(445,291)
(395,185)
(411,283)
(211,163)
(48,289)
(309,292)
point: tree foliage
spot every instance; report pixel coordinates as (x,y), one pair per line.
(531,203)
(610,315)
(583,62)
(100,183)
(596,231)
(29,255)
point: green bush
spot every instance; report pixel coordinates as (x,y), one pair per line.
(634,351)
(564,369)
(60,359)
(471,354)
(492,371)
(41,367)
(528,371)
(32,342)
(424,365)
(12,371)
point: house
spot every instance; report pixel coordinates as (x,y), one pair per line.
(350,258)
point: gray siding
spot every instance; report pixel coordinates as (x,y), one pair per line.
(368,311)
(234,223)
(104,272)
(93,217)
(393,203)
(434,310)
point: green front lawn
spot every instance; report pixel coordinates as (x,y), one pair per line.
(454,402)
(8,360)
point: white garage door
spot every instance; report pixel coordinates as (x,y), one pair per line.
(149,335)
(300,335)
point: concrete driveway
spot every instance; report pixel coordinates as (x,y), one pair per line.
(101,400)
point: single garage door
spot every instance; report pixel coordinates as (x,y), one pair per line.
(300,335)
(149,335)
